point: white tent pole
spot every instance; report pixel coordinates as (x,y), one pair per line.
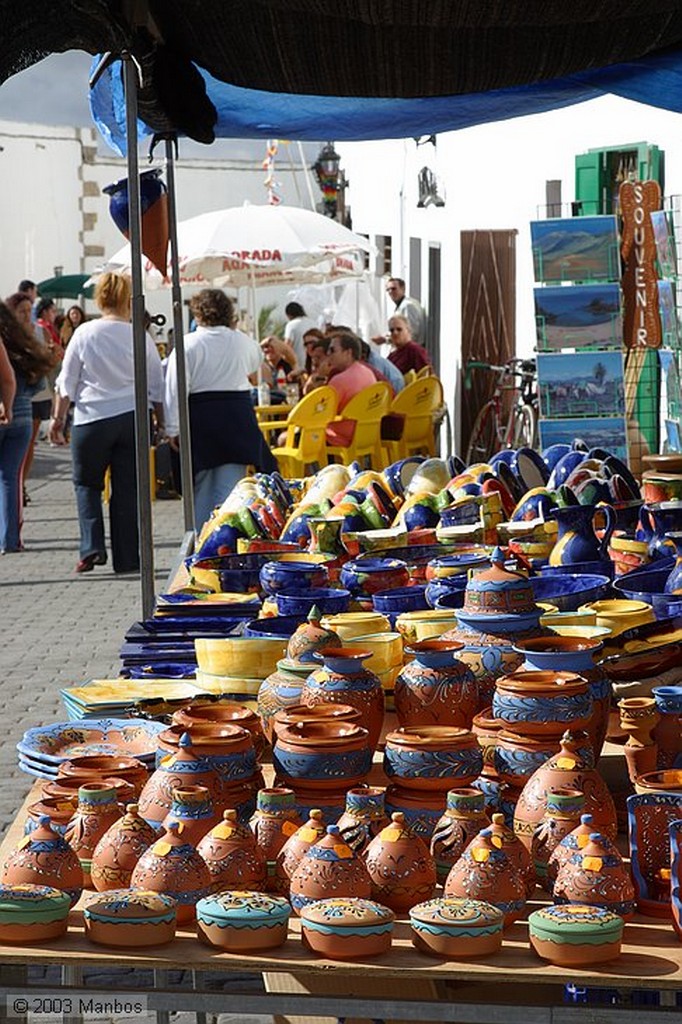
(306,175)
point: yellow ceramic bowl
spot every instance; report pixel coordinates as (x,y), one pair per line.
(243,688)
(350,624)
(620,615)
(240,657)
(577,618)
(386,648)
(425,624)
(582,632)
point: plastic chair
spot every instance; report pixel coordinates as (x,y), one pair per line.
(426,371)
(305,443)
(367,409)
(410,377)
(419,403)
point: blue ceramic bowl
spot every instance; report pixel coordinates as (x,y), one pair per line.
(437,589)
(452,599)
(237,574)
(399,600)
(563,469)
(505,455)
(555,452)
(530,468)
(292,577)
(603,568)
(276,625)
(569,590)
(647,584)
(330,602)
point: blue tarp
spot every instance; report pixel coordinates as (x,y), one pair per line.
(250,113)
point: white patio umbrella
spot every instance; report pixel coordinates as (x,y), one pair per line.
(258,245)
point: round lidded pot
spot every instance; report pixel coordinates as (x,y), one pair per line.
(575,935)
(432,757)
(401,868)
(347,928)
(302,713)
(539,702)
(224,712)
(456,928)
(32,913)
(243,922)
(322,754)
(44,858)
(129,919)
(232,856)
(328,866)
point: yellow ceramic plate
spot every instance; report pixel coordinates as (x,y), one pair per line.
(102,691)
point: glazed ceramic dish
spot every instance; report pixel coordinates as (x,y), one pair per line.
(575,935)
(347,928)
(243,922)
(130,919)
(63,741)
(32,913)
(567,591)
(456,928)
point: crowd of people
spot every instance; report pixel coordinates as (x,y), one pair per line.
(78,373)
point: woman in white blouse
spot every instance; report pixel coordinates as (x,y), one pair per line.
(98,376)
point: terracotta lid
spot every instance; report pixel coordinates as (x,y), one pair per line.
(119,905)
(29,904)
(429,736)
(453,911)
(532,681)
(236,907)
(498,590)
(347,912)
(575,923)
(323,733)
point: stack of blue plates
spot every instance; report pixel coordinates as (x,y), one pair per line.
(44,748)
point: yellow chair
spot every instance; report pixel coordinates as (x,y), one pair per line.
(418,403)
(410,377)
(305,443)
(367,409)
(426,371)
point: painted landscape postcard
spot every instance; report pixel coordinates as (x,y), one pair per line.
(665,242)
(576,249)
(581,384)
(578,315)
(595,432)
(668,312)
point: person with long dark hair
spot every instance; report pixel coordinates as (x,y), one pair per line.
(30,363)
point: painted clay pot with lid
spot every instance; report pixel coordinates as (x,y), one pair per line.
(232,856)
(436,688)
(564,807)
(309,637)
(119,850)
(32,913)
(329,869)
(129,919)
(176,770)
(503,837)
(343,679)
(303,713)
(537,703)
(60,813)
(485,872)
(98,767)
(223,712)
(464,818)
(173,866)
(364,817)
(597,876)
(575,934)
(575,841)
(400,866)
(97,810)
(432,757)
(516,756)
(455,928)
(295,847)
(274,821)
(193,809)
(224,748)
(243,922)
(322,755)
(571,768)
(44,858)
(347,928)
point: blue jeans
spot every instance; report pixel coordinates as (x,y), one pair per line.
(94,446)
(211,487)
(14,442)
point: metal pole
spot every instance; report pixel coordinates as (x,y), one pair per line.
(179,344)
(142,436)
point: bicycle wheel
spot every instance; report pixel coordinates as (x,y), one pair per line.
(524,427)
(483,441)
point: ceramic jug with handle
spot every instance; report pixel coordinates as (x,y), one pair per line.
(578,541)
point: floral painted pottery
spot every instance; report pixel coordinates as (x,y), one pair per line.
(352,624)
(516,756)
(44,858)
(650,816)
(668,733)
(504,838)
(227,749)
(281,690)
(638,718)
(540,702)
(232,856)
(192,808)
(484,872)
(32,913)
(97,767)
(296,846)
(343,679)
(223,712)
(274,821)
(463,819)
(322,755)
(620,616)
(435,688)
(363,818)
(97,810)
(577,541)
(576,655)
(63,741)
(571,768)
(176,770)
(328,867)
(347,928)
(576,840)
(400,866)
(432,757)
(292,576)
(119,850)
(422,808)
(575,934)
(173,866)
(367,575)
(129,918)
(243,922)
(57,810)
(64,790)
(456,929)
(596,875)
(564,808)
(310,636)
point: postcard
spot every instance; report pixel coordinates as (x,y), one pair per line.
(578,315)
(595,432)
(668,312)
(665,243)
(576,249)
(581,384)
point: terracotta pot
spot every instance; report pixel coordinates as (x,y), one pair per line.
(295,847)
(227,749)
(65,789)
(435,688)
(638,718)
(456,928)
(564,807)
(330,801)
(60,813)
(422,808)
(572,843)
(232,856)
(346,928)
(45,858)
(669,781)
(97,810)
(402,871)
(193,809)
(464,818)
(538,703)
(274,820)
(176,770)
(303,713)
(173,867)
(504,838)
(485,872)
(344,680)
(223,712)
(668,733)
(119,850)
(575,935)
(32,913)
(97,767)
(241,922)
(322,755)
(281,690)
(675,832)
(363,818)
(597,876)
(432,757)
(517,757)
(129,920)
(650,816)
(571,768)
(328,866)
(486,728)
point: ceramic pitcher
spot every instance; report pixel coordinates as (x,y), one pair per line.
(577,541)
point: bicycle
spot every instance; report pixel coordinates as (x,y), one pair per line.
(490,432)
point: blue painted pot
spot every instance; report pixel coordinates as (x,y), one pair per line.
(432,757)
(536,702)
(329,602)
(401,599)
(276,625)
(236,574)
(568,591)
(577,540)
(292,577)
(367,576)
(447,587)
(324,754)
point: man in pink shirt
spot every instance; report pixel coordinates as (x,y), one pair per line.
(348,376)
